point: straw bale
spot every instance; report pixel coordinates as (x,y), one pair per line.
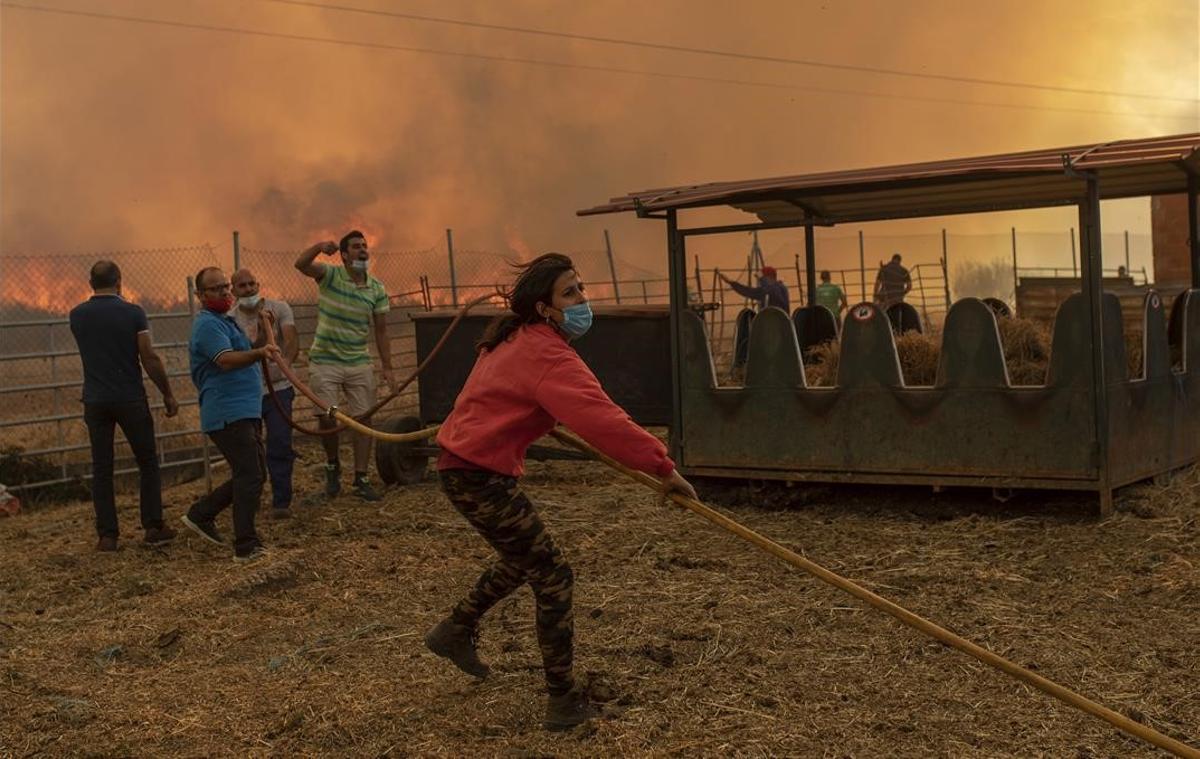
(821,364)
(918,353)
(1133,354)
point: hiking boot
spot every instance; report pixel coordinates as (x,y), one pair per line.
(284,513)
(456,643)
(569,710)
(364,490)
(206,530)
(333,482)
(157,536)
(247,555)
(107,544)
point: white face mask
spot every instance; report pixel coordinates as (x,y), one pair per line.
(249,301)
(359,264)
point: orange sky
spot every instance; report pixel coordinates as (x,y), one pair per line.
(119,135)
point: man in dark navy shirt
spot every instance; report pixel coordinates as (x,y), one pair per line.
(114,344)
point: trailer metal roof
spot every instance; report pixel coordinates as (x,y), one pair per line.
(1038,178)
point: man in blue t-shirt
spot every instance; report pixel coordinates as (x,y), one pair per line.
(769,293)
(113,336)
(226,374)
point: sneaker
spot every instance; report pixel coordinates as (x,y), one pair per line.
(284,513)
(248,555)
(569,710)
(107,544)
(206,530)
(456,643)
(333,483)
(365,491)
(157,536)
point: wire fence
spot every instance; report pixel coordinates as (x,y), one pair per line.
(43,440)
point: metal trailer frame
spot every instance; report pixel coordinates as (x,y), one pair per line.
(1090,427)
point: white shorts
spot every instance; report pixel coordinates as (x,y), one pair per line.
(356,384)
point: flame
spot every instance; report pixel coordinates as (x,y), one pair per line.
(41,285)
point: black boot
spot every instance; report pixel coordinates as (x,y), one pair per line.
(456,643)
(568,710)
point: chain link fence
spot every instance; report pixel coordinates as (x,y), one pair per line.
(43,441)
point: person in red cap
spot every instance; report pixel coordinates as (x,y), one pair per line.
(770,293)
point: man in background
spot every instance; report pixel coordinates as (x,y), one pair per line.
(769,293)
(351,306)
(113,336)
(831,296)
(892,283)
(280,455)
(225,370)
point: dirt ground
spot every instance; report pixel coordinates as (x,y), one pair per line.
(699,643)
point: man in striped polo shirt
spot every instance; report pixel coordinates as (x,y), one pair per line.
(351,305)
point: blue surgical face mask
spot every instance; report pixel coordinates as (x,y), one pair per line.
(577,320)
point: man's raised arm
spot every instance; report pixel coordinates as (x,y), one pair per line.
(307,262)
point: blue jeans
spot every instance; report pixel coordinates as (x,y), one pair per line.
(280,454)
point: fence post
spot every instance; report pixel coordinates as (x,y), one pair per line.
(1127,272)
(921,289)
(1074,267)
(862,266)
(1016,278)
(946,268)
(453,276)
(799,279)
(612,267)
(237,251)
(203,438)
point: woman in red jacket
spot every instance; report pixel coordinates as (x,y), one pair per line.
(526,379)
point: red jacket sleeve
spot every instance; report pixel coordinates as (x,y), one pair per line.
(570,392)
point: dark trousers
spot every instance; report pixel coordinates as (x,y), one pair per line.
(279,446)
(509,522)
(242,446)
(138,425)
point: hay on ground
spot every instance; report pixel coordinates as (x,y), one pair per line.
(697,643)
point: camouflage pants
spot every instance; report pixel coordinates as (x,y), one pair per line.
(509,522)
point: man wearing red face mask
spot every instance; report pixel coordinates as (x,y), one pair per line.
(225,370)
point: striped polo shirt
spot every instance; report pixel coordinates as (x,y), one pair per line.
(344,311)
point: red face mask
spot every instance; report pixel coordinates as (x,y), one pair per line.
(219,305)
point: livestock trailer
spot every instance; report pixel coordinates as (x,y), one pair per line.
(1090,427)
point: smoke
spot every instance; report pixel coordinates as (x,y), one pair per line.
(118,135)
(984,279)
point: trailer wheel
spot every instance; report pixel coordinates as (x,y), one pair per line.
(396,462)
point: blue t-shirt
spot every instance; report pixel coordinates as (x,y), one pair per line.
(767,293)
(225,396)
(106,329)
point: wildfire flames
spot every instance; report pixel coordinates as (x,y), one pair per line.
(47,285)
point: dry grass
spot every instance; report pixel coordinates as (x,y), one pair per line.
(700,644)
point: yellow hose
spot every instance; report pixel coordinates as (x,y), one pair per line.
(941,634)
